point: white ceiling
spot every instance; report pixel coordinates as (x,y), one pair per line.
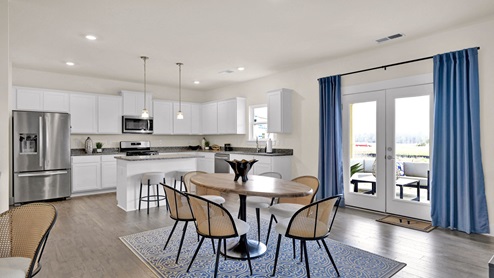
(264,36)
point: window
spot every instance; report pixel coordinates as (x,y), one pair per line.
(258,121)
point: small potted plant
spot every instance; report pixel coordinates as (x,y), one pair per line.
(99,147)
(206,145)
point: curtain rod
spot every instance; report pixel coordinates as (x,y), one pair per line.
(391,65)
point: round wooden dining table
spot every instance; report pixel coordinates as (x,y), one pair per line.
(255,186)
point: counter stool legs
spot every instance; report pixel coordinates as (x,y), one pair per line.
(155,197)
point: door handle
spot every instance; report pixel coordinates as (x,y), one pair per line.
(42,174)
(389,157)
(40,147)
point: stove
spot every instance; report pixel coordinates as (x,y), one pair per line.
(136,148)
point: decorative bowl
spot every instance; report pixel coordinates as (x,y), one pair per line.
(241,168)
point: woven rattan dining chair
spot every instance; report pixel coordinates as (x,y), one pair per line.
(259,202)
(286,207)
(312,222)
(24,231)
(215,222)
(210,194)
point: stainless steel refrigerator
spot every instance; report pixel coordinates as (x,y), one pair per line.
(41,156)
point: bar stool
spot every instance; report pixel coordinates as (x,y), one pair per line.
(150,179)
(178,176)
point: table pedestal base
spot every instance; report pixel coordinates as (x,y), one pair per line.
(237,250)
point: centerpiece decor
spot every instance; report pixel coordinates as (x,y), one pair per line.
(241,168)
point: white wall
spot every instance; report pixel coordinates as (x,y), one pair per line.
(5,85)
(304,138)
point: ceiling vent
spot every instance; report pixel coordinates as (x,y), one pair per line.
(226,71)
(392,37)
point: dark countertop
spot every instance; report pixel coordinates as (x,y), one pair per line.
(244,151)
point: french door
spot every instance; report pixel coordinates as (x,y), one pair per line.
(386,150)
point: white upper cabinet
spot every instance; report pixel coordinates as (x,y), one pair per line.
(56,101)
(109,114)
(231,116)
(27,99)
(195,116)
(163,117)
(133,103)
(209,119)
(83,111)
(41,100)
(183,126)
(280,111)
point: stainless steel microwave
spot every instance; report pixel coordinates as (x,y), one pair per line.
(135,124)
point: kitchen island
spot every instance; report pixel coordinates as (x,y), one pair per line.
(131,168)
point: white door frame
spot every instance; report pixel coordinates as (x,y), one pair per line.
(355,94)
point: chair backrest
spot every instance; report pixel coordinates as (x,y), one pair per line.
(24,231)
(314,220)
(311,182)
(212,220)
(271,174)
(199,190)
(189,186)
(178,204)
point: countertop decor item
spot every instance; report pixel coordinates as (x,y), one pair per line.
(88,145)
(241,168)
(99,147)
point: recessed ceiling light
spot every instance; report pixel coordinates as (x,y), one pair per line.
(70,63)
(197,82)
(91,37)
(241,68)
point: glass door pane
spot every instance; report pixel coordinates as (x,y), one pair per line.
(363,140)
(408,151)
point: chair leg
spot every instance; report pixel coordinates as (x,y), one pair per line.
(195,253)
(171,233)
(276,256)
(303,244)
(318,244)
(217,259)
(140,196)
(330,257)
(182,240)
(269,227)
(224,247)
(301,251)
(293,245)
(148,195)
(212,243)
(157,194)
(258,216)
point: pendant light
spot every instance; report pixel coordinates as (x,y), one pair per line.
(180,116)
(145,113)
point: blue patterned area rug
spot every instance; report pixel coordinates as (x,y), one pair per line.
(351,261)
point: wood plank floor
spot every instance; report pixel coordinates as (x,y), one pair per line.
(84,242)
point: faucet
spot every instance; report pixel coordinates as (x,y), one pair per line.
(257,145)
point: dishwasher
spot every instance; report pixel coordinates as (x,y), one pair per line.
(220,165)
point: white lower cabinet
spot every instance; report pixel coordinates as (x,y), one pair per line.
(280,164)
(86,173)
(108,171)
(93,173)
(206,163)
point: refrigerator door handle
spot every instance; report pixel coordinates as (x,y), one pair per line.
(40,141)
(43,174)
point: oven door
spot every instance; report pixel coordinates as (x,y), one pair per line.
(137,125)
